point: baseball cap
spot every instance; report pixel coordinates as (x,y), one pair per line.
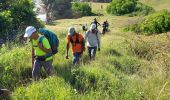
(29,30)
(71,30)
(93,26)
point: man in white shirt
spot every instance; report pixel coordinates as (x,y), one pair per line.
(92,37)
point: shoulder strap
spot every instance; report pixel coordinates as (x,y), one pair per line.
(71,40)
(41,39)
(77,39)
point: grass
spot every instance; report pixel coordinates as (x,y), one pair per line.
(157,4)
(117,73)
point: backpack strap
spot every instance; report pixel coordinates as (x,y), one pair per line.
(77,39)
(41,39)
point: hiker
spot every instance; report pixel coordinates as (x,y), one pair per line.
(92,37)
(78,45)
(105,26)
(96,23)
(42,53)
(84,27)
(4,92)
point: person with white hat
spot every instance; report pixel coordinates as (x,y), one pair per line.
(92,37)
(40,50)
(78,44)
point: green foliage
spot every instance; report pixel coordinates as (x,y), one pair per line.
(19,15)
(5,22)
(103,1)
(126,64)
(156,23)
(82,9)
(52,88)
(153,24)
(95,82)
(85,79)
(22,12)
(13,64)
(132,7)
(5,4)
(142,9)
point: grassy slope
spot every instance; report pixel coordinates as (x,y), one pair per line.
(128,76)
(157,4)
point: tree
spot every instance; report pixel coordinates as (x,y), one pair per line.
(57,9)
(15,15)
(5,4)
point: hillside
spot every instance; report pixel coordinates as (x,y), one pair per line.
(128,67)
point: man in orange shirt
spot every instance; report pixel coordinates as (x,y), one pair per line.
(77,42)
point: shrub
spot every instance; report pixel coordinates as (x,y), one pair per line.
(92,78)
(121,7)
(97,83)
(81,8)
(153,24)
(5,22)
(52,88)
(142,9)
(13,63)
(126,64)
(156,23)
(19,15)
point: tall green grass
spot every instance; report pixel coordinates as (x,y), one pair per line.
(128,67)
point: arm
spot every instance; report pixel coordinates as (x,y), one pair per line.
(44,49)
(98,39)
(67,49)
(45,46)
(86,35)
(83,43)
(67,46)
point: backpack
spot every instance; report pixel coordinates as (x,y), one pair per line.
(77,40)
(52,38)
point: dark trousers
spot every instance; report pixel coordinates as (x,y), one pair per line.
(92,52)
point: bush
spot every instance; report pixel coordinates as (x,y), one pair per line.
(12,64)
(103,84)
(126,64)
(82,9)
(52,88)
(121,7)
(5,22)
(156,23)
(19,15)
(91,78)
(153,24)
(142,9)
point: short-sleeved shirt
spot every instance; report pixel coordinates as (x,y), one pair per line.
(93,39)
(76,46)
(37,50)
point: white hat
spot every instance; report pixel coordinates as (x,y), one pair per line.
(71,30)
(93,26)
(29,30)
